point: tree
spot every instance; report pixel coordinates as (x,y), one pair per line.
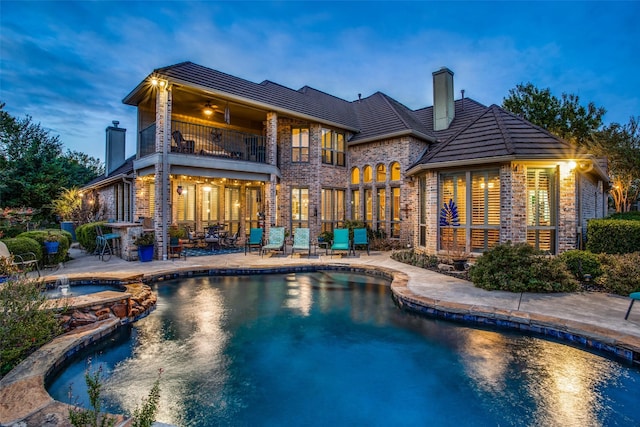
(33,169)
(621,145)
(563,117)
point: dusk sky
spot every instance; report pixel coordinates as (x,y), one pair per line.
(70,64)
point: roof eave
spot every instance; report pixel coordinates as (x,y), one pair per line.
(398,134)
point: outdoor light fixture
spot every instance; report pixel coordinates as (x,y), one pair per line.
(208,109)
(572,165)
(179,190)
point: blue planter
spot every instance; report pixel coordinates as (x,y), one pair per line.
(68,226)
(145,253)
(51,247)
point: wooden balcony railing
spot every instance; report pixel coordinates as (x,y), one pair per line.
(199,140)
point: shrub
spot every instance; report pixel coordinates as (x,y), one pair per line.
(86,235)
(62,237)
(582,262)
(621,273)
(21,245)
(418,259)
(613,236)
(633,215)
(23,325)
(520,268)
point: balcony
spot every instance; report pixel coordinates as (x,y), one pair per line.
(206,141)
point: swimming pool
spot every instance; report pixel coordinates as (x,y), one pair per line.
(331,348)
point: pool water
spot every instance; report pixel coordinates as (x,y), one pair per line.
(330,348)
(76,290)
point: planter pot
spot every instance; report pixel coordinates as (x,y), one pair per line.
(145,253)
(459,264)
(51,247)
(68,226)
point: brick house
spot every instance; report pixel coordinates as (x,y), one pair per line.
(214,148)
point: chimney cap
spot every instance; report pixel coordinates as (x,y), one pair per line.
(115,123)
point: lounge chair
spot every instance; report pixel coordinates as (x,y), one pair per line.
(182,145)
(23,262)
(340,240)
(254,240)
(276,240)
(301,241)
(360,238)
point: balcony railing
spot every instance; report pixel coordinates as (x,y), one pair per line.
(207,141)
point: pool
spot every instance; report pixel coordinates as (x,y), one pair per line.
(329,348)
(76,290)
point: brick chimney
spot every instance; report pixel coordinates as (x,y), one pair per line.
(115,148)
(443,107)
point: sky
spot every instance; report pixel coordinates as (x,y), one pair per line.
(68,65)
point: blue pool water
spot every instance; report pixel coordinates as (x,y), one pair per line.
(330,348)
(76,290)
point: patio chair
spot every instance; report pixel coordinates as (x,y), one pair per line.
(24,262)
(182,145)
(301,241)
(634,296)
(254,240)
(360,238)
(106,244)
(276,240)
(340,240)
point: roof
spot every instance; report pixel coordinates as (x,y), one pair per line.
(495,134)
(124,170)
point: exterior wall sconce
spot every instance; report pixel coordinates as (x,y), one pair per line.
(179,190)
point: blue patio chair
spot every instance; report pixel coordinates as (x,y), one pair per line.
(301,241)
(254,240)
(360,238)
(340,240)
(276,240)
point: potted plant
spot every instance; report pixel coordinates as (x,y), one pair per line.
(175,234)
(67,207)
(145,243)
(51,243)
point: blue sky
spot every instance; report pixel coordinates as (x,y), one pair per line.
(70,64)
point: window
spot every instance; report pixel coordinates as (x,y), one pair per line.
(381,211)
(333,147)
(186,203)
(381,173)
(395,171)
(453,193)
(332,209)
(541,209)
(368,208)
(395,212)
(422,214)
(253,201)
(485,210)
(367,174)
(300,145)
(232,208)
(299,208)
(355,205)
(355,176)
(210,207)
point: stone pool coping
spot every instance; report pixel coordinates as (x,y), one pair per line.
(23,396)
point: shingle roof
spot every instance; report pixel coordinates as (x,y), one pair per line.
(125,169)
(305,101)
(498,133)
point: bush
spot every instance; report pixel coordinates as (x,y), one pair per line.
(24,327)
(582,262)
(62,237)
(21,245)
(520,268)
(613,236)
(86,235)
(621,273)
(633,215)
(418,259)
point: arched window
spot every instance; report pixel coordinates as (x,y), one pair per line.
(355,176)
(395,171)
(367,174)
(381,173)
